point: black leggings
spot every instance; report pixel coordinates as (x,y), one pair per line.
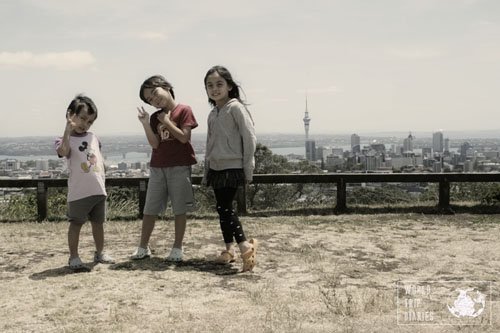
(229,221)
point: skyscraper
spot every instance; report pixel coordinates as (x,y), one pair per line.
(408,144)
(437,142)
(355,143)
(311,150)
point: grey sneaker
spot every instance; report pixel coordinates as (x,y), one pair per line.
(75,263)
(103,258)
(141,253)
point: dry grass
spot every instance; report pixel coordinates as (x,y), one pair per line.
(314,274)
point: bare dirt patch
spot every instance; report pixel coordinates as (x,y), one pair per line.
(314,274)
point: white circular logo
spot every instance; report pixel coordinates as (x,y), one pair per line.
(468,303)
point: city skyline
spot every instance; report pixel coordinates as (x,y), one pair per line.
(366,67)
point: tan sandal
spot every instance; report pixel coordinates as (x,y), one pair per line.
(225,257)
(249,257)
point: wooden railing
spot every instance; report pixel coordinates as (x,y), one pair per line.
(340,179)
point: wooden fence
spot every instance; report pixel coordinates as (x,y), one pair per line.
(340,179)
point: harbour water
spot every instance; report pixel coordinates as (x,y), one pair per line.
(133,157)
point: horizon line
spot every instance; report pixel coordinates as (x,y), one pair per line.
(367,132)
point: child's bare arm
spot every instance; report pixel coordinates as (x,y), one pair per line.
(181,134)
(64,148)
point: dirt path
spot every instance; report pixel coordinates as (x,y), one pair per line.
(315,274)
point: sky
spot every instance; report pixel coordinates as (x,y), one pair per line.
(364,66)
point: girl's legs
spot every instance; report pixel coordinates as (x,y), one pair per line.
(229,222)
(148,224)
(74,238)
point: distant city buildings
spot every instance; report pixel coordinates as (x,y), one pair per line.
(10,165)
(340,153)
(437,156)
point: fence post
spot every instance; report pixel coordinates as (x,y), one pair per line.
(444,196)
(41,201)
(241,200)
(143,187)
(341,206)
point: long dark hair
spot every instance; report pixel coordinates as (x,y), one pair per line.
(226,75)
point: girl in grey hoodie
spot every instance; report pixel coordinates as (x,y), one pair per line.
(229,159)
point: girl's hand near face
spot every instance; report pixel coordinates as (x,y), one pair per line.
(143,115)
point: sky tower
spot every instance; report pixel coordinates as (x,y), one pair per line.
(307,120)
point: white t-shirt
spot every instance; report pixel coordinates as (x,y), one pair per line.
(85,167)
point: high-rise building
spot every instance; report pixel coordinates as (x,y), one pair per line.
(437,142)
(42,165)
(311,150)
(408,144)
(355,143)
(10,165)
(426,151)
(464,149)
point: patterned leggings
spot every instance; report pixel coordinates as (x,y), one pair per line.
(229,221)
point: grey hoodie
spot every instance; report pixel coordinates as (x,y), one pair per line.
(231,139)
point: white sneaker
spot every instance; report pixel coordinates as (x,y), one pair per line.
(141,253)
(103,258)
(75,263)
(175,255)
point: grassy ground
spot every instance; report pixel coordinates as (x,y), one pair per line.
(315,274)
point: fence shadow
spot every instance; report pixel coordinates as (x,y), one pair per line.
(395,209)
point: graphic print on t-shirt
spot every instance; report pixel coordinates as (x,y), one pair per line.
(91,158)
(164,132)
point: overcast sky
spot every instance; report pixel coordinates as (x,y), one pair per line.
(365,65)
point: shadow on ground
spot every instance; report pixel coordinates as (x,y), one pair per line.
(158,264)
(354,209)
(60,271)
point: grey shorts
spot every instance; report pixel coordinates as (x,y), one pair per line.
(91,208)
(172,183)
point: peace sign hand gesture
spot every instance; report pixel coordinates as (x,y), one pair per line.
(143,115)
(70,120)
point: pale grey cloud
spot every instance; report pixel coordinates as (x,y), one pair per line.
(153,35)
(365,65)
(68,60)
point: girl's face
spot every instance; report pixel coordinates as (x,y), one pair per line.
(83,121)
(157,97)
(217,89)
